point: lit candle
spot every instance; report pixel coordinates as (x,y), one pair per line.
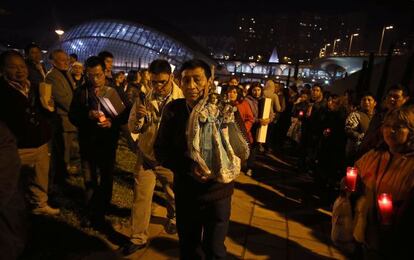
(102,117)
(385,208)
(351,178)
(327,132)
(301,113)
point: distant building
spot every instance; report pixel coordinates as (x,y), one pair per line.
(133,45)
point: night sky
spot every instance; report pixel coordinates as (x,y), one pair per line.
(22,22)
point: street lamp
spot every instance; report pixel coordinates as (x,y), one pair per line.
(325,48)
(321,52)
(60,32)
(382,37)
(350,42)
(333,48)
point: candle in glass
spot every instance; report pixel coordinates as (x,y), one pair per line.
(351,178)
(102,117)
(385,208)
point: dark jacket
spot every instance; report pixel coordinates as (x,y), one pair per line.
(23,116)
(171,151)
(13,221)
(9,166)
(331,146)
(62,92)
(299,110)
(35,77)
(91,136)
(312,126)
(373,136)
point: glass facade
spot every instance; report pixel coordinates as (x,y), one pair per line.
(133,45)
(252,71)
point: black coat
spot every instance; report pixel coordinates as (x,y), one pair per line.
(24,117)
(93,138)
(13,218)
(171,151)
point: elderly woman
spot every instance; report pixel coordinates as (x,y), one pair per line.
(388,169)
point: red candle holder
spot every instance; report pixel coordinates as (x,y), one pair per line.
(301,113)
(385,208)
(351,178)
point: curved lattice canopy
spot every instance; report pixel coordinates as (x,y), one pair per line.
(133,45)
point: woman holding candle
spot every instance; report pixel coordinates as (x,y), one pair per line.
(385,214)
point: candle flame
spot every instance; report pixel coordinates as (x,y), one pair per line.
(352,171)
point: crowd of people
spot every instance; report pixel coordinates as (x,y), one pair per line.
(48,118)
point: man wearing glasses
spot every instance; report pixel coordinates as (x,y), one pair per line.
(98,139)
(397,96)
(144,119)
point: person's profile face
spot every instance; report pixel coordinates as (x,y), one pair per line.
(108,63)
(232,95)
(61,61)
(193,83)
(368,103)
(316,93)
(15,69)
(35,55)
(161,83)
(395,133)
(256,92)
(77,70)
(96,76)
(233,83)
(395,99)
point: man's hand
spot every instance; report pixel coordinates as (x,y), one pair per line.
(93,114)
(141,111)
(264,121)
(105,124)
(51,103)
(198,173)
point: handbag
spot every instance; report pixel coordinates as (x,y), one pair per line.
(342,224)
(295,130)
(238,141)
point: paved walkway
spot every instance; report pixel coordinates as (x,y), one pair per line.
(275,215)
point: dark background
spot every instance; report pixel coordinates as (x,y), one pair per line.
(22,22)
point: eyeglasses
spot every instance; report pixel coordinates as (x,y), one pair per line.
(395,128)
(95,76)
(160,84)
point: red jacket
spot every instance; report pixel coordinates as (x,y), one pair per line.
(247,116)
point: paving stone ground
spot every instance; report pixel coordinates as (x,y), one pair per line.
(276,214)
